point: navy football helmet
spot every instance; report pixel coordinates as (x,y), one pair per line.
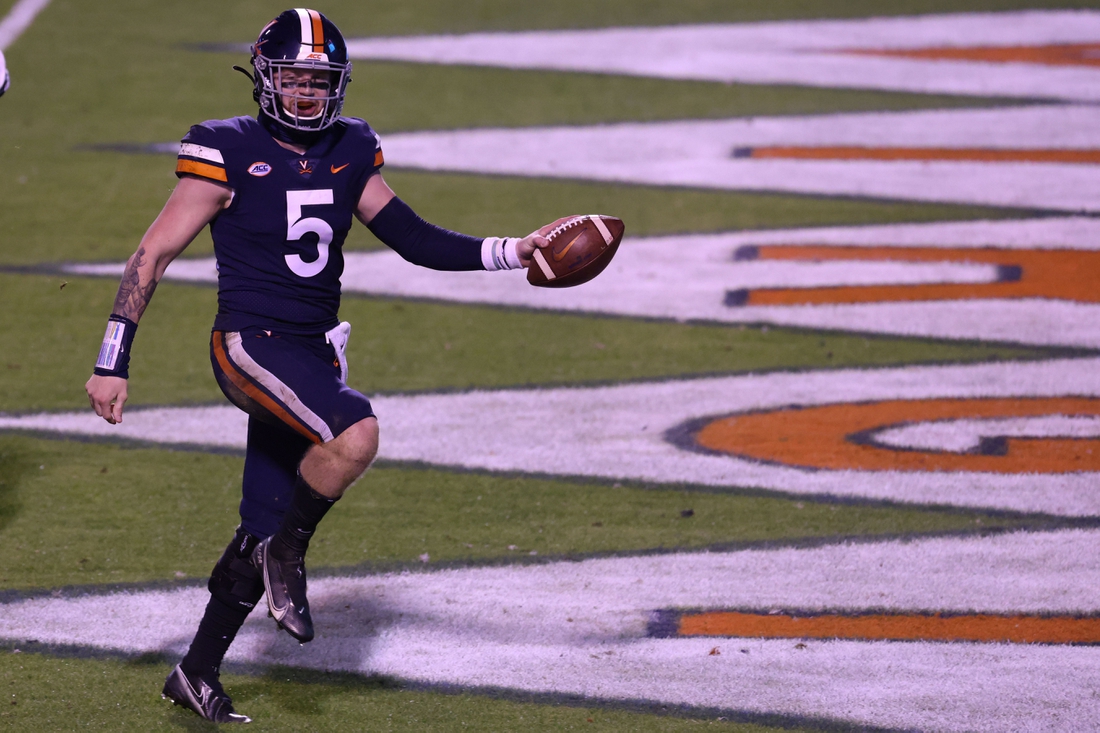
(302,70)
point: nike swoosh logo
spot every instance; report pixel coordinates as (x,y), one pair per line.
(277,613)
(559,255)
(334,169)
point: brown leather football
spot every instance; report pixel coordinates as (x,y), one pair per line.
(580,248)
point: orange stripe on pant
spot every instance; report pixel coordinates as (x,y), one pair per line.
(243,383)
(978,627)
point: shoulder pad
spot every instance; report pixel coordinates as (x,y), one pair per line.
(362,134)
(203,149)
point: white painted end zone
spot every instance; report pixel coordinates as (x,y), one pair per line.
(19,19)
(475,627)
(617,432)
(794,52)
(961,436)
(686,277)
(698,154)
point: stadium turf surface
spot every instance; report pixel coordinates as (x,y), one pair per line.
(89,514)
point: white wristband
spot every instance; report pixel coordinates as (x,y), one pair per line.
(499,253)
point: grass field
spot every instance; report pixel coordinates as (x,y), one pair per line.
(93,514)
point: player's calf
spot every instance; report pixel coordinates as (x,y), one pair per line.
(332,467)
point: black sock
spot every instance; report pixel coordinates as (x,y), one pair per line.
(218,628)
(235,587)
(307,509)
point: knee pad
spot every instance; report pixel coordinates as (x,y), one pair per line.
(234,581)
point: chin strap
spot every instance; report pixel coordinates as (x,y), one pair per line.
(295,137)
(252,78)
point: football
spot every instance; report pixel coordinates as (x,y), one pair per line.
(580,248)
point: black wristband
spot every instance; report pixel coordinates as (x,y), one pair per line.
(114,354)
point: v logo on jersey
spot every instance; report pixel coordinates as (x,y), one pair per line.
(336,169)
(559,254)
(303,167)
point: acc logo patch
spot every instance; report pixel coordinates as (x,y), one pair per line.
(259,169)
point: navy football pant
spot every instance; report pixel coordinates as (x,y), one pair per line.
(292,390)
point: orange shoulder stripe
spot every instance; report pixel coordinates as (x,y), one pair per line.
(201,169)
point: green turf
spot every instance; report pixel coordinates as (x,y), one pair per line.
(51,693)
(492,205)
(37,216)
(85,513)
(74,513)
(57,202)
(402,345)
(455,97)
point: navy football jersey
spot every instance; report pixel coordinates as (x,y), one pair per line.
(279,243)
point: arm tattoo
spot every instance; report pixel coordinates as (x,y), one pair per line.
(132,296)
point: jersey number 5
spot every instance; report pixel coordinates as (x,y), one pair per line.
(297,227)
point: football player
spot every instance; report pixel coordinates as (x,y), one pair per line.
(279,192)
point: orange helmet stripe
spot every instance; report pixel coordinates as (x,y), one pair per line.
(318,31)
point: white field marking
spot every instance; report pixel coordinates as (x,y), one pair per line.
(686,277)
(618,432)
(793,52)
(581,628)
(19,19)
(698,154)
(961,436)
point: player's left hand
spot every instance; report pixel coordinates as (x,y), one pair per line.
(525,247)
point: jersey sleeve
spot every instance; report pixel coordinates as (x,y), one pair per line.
(379,160)
(367,145)
(200,155)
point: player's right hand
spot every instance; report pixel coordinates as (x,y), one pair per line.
(107,395)
(526,247)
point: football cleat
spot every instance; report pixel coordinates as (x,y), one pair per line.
(202,694)
(285,583)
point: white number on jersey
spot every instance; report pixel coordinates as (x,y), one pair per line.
(297,227)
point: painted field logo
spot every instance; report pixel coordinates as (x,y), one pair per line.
(1055,274)
(259,169)
(995,435)
(990,628)
(1054,54)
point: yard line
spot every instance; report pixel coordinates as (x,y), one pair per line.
(1026,54)
(19,19)
(587,628)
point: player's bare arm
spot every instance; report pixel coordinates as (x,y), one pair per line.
(190,208)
